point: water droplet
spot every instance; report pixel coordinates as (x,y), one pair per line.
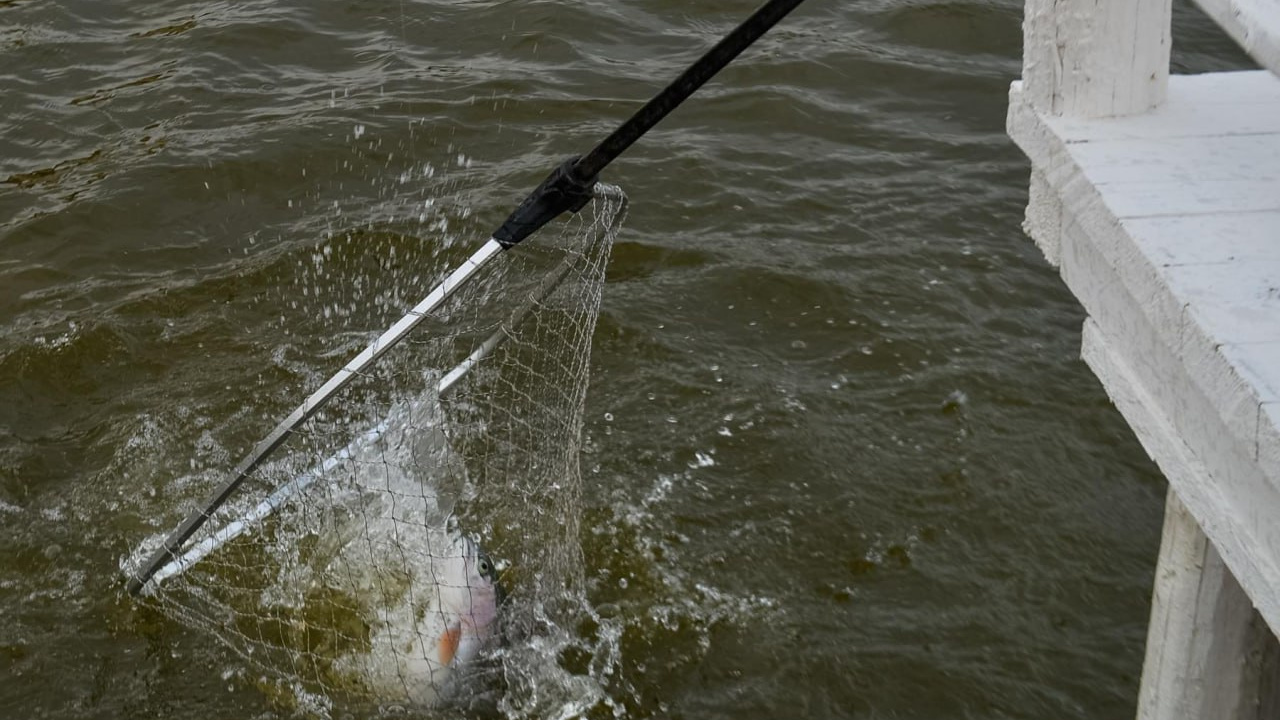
(701,460)
(956,400)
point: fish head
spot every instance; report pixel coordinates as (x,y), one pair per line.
(470,596)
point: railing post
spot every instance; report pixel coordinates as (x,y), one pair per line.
(1089,59)
(1210,655)
(1096,58)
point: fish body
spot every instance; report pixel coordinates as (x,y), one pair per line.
(419,653)
(430,593)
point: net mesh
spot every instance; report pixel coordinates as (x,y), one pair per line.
(356,564)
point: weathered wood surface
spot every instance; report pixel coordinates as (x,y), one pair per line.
(1089,59)
(1254,24)
(1206,643)
(1166,226)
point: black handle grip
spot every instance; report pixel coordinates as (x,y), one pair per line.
(569,185)
(562,190)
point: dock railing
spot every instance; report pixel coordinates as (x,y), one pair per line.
(1158,198)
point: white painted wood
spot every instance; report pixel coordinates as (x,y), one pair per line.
(1224,157)
(1195,110)
(1195,197)
(1196,629)
(1204,640)
(1128,385)
(1236,302)
(1164,219)
(1166,231)
(1043,221)
(1235,501)
(1085,58)
(1254,24)
(1210,238)
(1268,434)
(1181,162)
(1129,388)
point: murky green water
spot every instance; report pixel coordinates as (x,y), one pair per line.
(843,460)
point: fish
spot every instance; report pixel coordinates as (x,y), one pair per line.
(425,654)
(431,593)
(370,588)
(469,599)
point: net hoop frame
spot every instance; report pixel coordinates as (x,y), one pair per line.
(170,559)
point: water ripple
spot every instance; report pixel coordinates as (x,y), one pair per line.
(839,416)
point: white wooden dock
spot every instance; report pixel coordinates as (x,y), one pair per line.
(1158,198)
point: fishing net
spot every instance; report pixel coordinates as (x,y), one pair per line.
(357,564)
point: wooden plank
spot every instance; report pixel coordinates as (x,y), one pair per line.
(1222,158)
(1166,225)
(1224,270)
(1236,302)
(1269,438)
(1146,250)
(1043,221)
(1254,24)
(1217,238)
(1259,363)
(1205,641)
(1183,160)
(1154,199)
(1085,58)
(1180,424)
(1195,110)
(1245,379)
(1131,304)
(1187,473)
(1185,173)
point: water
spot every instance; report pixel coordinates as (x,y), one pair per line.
(842,458)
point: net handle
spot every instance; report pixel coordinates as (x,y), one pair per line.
(568,187)
(705,68)
(176,564)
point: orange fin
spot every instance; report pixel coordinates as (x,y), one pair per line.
(449,640)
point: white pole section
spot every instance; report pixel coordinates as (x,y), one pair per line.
(1206,644)
(1095,58)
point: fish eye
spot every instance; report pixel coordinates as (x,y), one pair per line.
(485,566)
